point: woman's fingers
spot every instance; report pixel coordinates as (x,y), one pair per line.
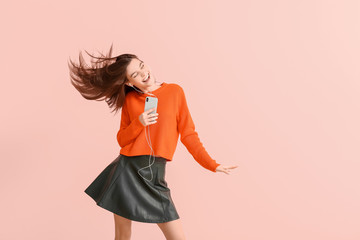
(149,110)
(227,172)
(148,118)
(152,118)
(226,169)
(231,167)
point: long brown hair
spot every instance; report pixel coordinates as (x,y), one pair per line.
(104,80)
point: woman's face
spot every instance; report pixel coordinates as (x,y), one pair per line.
(139,74)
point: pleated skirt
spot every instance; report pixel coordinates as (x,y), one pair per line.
(134,187)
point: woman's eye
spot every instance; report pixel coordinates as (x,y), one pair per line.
(141,67)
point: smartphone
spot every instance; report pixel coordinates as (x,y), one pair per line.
(151,102)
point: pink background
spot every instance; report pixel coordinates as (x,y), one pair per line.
(273,87)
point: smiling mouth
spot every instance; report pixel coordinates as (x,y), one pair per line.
(147,77)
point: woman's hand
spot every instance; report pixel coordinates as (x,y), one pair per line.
(146,118)
(225,169)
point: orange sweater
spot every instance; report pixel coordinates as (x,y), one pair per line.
(174,118)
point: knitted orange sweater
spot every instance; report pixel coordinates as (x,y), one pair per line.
(174,118)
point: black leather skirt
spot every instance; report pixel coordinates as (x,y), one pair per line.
(134,187)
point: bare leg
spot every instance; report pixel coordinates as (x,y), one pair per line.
(172,230)
(122,228)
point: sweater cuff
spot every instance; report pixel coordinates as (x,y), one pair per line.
(213,169)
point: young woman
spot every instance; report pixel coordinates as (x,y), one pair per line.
(133,186)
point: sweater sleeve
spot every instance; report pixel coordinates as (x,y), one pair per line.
(129,130)
(189,137)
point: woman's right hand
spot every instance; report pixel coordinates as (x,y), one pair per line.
(146,118)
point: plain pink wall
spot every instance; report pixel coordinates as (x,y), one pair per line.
(273,86)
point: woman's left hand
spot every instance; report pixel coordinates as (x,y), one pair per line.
(225,169)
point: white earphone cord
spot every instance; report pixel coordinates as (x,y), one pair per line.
(150,145)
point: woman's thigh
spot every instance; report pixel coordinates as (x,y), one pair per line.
(172,230)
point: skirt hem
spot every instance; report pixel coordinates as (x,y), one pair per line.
(133,218)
